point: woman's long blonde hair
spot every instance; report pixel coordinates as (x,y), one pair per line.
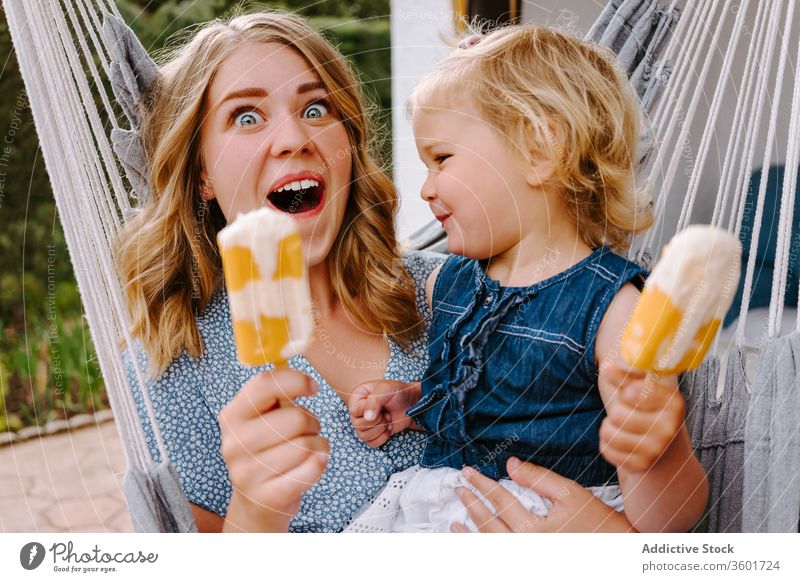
(167,254)
(524,78)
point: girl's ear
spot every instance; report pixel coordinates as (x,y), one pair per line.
(544,161)
(541,171)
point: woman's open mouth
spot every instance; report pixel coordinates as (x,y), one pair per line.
(298,196)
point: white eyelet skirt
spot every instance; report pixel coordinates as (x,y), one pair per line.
(425,500)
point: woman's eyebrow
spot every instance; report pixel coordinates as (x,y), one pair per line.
(241,93)
(263,93)
(310,86)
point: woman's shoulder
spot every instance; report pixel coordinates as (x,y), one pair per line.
(420,264)
(213,323)
(179,375)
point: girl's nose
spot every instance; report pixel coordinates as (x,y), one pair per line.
(428,191)
(289,138)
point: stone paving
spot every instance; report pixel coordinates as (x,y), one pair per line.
(69,482)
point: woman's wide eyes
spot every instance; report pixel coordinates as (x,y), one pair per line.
(248,118)
(316,110)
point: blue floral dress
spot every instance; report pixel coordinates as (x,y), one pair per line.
(190,394)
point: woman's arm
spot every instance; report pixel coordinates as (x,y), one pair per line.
(207,521)
(644,436)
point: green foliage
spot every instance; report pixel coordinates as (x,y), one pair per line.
(367,43)
(48,367)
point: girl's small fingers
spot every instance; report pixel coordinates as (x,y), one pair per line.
(617,374)
(634,419)
(653,394)
(387,418)
(362,424)
(613,456)
(361,391)
(644,445)
(631,461)
(456,527)
(371,432)
(374,406)
(380,440)
(356,405)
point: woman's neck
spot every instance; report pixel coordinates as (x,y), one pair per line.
(323,295)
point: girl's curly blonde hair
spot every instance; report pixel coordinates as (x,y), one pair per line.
(568,98)
(167,254)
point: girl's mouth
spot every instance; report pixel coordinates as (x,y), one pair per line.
(299,196)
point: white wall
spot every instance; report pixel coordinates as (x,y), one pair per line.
(416,47)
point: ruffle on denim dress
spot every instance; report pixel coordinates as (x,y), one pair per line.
(512,369)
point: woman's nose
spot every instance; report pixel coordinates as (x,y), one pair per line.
(289,137)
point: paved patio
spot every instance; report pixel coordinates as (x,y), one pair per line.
(69,482)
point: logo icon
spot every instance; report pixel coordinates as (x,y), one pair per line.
(31,555)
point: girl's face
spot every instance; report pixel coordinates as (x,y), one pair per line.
(477,186)
(270,136)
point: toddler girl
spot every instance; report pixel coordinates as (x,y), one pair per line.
(530,139)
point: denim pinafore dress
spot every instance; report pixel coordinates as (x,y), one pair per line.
(512,369)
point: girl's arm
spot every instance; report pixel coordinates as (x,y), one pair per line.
(644,435)
(378,408)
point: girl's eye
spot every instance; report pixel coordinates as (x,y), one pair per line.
(441,158)
(316,110)
(246,118)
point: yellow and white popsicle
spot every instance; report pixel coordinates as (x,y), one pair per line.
(267,287)
(684,301)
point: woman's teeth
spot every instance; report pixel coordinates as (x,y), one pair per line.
(297,197)
(298,185)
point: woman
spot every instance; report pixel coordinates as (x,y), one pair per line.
(262,110)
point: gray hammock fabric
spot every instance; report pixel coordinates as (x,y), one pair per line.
(154,495)
(133,73)
(772,441)
(716,427)
(748,444)
(156,501)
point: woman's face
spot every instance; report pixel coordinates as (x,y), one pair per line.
(270,136)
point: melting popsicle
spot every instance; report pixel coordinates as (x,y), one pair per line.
(684,301)
(267,287)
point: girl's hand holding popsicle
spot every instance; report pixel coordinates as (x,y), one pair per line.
(672,328)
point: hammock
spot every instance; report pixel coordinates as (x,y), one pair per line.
(86,72)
